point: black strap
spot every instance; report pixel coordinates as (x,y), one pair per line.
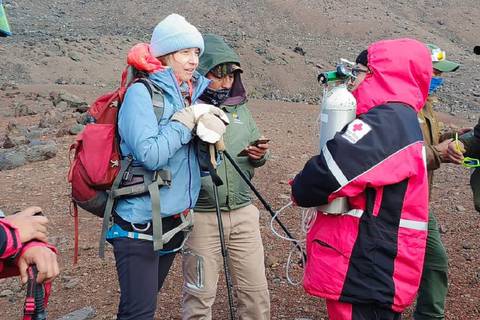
(162,178)
(125,164)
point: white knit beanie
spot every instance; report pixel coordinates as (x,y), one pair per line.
(174,33)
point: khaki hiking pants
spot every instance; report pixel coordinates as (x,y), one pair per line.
(203,262)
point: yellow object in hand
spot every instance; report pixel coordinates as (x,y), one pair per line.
(457,144)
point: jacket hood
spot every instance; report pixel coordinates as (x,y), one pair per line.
(401,71)
(217,51)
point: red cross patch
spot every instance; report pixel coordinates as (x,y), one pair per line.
(357,127)
(356,130)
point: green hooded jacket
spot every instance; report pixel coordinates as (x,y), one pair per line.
(242,130)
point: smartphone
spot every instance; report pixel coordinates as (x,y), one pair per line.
(255,143)
(259,141)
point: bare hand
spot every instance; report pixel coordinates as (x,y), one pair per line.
(442,149)
(258,151)
(45,260)
(455,151)
(30,227)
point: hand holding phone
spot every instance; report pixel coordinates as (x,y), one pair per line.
(244,152)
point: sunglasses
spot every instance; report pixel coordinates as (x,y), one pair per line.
(356,71)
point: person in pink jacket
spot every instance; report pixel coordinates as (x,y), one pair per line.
(23,236)
(367,263)
(23,239)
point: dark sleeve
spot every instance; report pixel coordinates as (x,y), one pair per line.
(10,243)
(433,158)
(3,240)
(471,141)
(365,153)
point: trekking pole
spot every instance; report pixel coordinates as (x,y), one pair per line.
(218,182)
(34,308)
(264,202)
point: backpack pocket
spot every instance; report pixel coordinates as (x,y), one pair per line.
(99,154)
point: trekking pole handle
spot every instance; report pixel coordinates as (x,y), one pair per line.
(34,306)
(220,145)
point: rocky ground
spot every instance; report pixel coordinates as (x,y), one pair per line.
(66,53)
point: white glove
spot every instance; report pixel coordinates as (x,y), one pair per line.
(189,116)
(210,128)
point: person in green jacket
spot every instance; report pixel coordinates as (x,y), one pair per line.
(202,259)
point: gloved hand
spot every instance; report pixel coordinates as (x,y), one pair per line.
(210,128)
(189,116)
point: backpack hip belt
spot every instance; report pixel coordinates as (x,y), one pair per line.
(125,229)
(134,181)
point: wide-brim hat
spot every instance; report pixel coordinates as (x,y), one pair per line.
(446,66)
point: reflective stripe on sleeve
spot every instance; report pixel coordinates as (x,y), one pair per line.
(334,168)
(404,223)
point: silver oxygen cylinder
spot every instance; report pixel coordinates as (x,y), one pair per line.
(338,108)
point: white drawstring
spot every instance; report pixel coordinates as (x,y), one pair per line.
(309,215)
(308,218)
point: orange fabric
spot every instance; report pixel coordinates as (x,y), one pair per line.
(141,58)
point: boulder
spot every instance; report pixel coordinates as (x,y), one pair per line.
(22,110)
(72,101)
(51,118)
(12,159)
(40,151)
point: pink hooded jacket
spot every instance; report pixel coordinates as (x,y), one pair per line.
(373,254)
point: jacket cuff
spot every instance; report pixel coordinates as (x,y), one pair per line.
(12,236)
(433,158)
(184,132)
(32,244)
(260,162)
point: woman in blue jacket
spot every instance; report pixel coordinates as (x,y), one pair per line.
(156,145)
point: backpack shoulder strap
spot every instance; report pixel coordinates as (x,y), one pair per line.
(157,97)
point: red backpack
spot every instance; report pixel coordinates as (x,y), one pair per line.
(97,161)
(96,154)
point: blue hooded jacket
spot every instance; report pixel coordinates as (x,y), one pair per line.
(162,145)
